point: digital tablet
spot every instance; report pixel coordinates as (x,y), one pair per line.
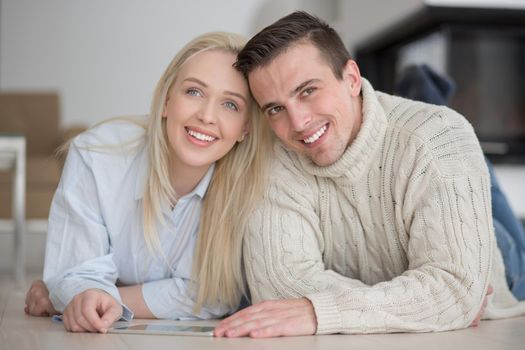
(162,329)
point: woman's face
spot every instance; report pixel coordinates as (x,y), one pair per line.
(206,110)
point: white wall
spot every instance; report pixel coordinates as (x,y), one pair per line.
(104,57)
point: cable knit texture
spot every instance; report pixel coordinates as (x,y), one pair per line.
(394,236)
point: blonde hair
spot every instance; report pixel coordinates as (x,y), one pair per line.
(237,184)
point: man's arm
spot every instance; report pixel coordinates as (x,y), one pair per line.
(441,290)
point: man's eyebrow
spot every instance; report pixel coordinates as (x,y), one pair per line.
(268,106)
(291,94)
(302,86)
(200,82)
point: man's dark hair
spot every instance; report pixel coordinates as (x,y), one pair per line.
(289,30)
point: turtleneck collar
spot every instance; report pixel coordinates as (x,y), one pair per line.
(357,156)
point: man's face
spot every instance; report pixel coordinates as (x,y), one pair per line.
(308,108)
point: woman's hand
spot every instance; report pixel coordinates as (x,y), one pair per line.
(37,300)
(91,311)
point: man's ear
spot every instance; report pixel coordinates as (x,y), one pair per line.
(352,77)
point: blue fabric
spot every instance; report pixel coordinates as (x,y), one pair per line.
(420,82)
(510,236)
(95,235)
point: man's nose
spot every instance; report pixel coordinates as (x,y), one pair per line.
(299,118)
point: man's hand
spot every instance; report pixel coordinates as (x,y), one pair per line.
(37,300)
(273,318)
(476,321)
(91,311)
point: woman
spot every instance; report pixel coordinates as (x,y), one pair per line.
(124,236)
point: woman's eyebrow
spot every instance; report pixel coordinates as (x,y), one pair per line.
(236,94)
(195,80)
(227,92)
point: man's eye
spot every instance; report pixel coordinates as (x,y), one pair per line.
(231,105)
(274,110)
(308,91)
(193,92)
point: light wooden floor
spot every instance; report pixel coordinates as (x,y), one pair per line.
(18,331)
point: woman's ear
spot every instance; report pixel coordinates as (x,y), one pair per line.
(245,131)
(165,108)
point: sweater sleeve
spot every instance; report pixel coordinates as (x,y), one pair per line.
(449,261)
(448,228)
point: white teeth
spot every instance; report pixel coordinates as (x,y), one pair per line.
(200,136)
(316,136)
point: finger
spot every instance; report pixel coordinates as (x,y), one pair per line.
(26,310)
(79,306)
(92,316)
(75,327)
(66,318)
(250,313)
(85,325)
(227,325)
(249,327)
(81,320)
(266,332)
(65,322)
(275,319)
(70,315)
(33,308)
(110,315)
(272,309)
(49,308)
(28,296)
(37,307)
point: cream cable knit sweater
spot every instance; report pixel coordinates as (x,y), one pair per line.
(395,236)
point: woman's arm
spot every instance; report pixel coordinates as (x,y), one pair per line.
(37,301)
(133,298)
(78,248)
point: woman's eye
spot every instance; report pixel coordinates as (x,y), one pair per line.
(274,110)
(231,105)
(193,92)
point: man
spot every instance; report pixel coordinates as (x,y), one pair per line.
(377,217)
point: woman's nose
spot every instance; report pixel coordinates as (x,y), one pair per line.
(207,113)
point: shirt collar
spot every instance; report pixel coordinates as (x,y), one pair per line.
(202,186)
(142,176)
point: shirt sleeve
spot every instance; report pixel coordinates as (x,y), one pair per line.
(442,288)
(172,299)
(78,246)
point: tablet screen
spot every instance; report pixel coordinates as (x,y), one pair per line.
(164,329)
